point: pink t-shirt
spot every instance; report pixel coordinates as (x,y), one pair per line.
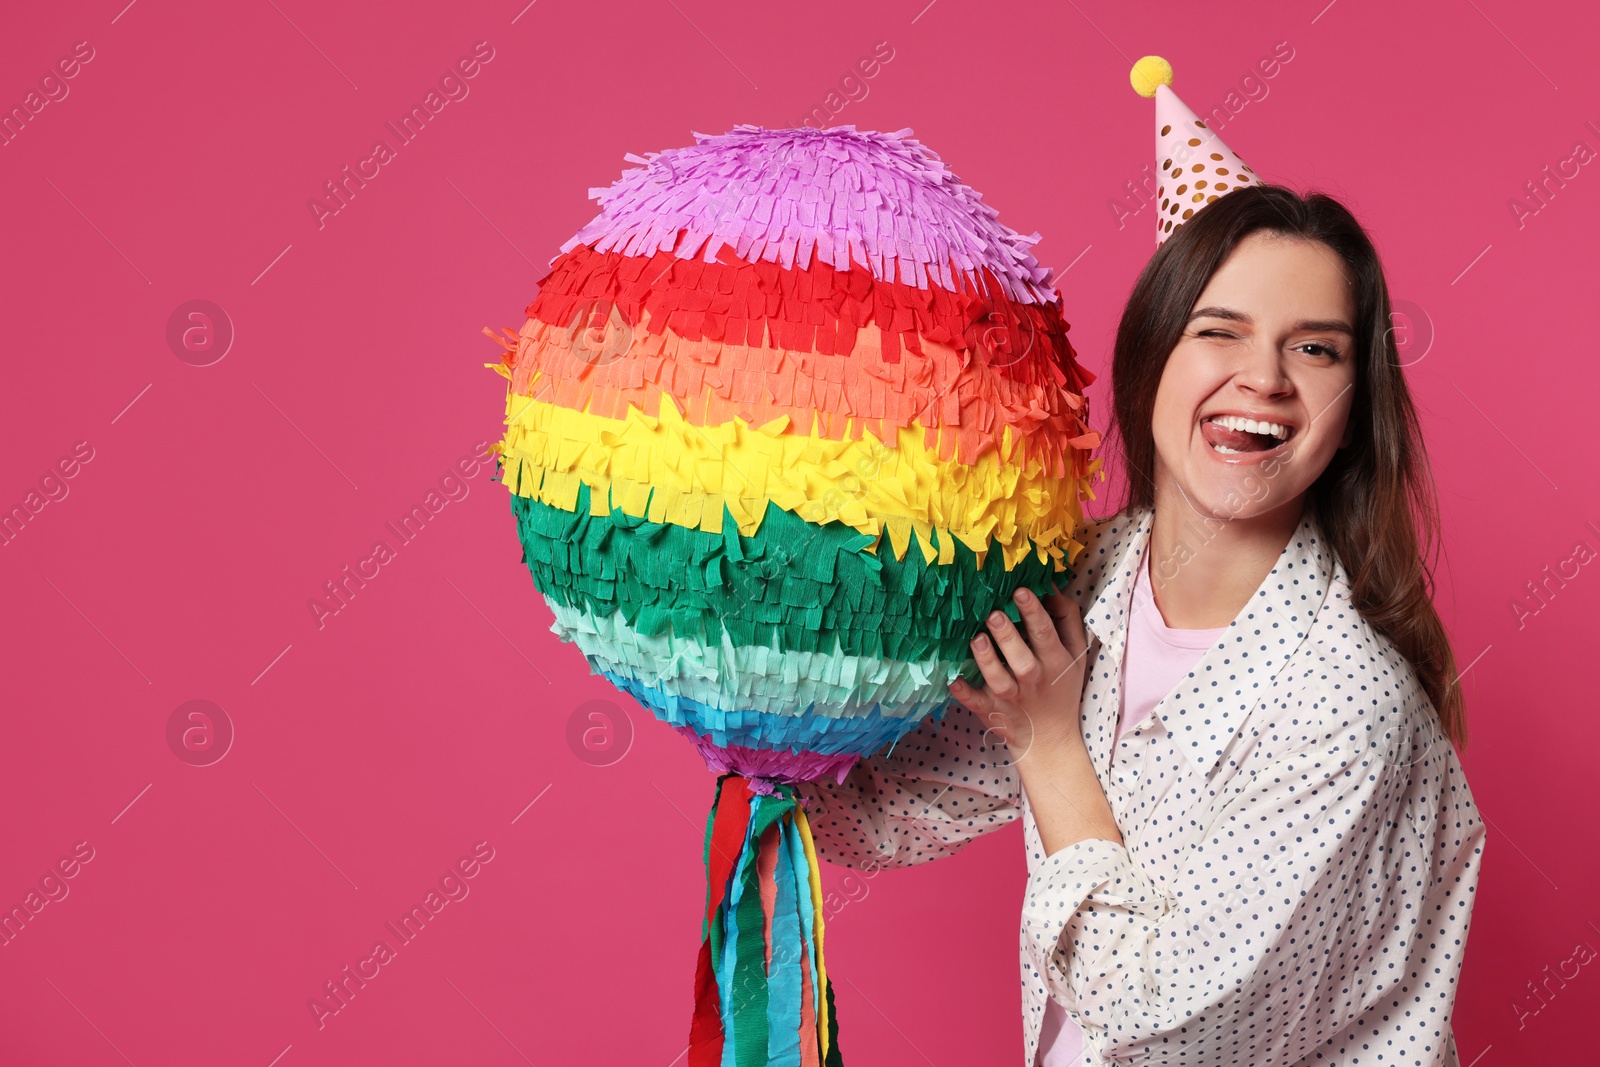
(1156,658)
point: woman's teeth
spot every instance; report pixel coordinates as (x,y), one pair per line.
(1238,422)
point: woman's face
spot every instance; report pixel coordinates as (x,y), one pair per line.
(1270,339)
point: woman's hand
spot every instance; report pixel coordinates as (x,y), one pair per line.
(1033,696)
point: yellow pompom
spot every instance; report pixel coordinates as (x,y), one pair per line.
(1148,73)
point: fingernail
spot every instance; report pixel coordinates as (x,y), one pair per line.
(1024,594)
(996,616)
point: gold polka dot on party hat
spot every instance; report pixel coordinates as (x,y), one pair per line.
(1210,198)
(1221,187)
(1194,142)
(1187,212)
(1166,130)
(1217,156)
(1201,184)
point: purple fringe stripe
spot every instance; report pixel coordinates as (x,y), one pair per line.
(883,200)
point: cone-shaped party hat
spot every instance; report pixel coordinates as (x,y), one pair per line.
(1196,167)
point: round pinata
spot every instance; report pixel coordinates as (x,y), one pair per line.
(787,420)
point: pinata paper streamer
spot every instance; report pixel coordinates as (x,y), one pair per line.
(769,350)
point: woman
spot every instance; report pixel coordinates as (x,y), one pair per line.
(1249,836)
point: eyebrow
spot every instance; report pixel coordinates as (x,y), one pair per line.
(1232,315)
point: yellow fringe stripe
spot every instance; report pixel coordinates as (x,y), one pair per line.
(666,469)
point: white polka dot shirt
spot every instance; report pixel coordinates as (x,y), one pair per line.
(1300,854)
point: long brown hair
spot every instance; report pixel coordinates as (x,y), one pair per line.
(1376,502)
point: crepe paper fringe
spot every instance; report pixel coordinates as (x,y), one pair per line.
(868,731)
(761,963)
(795,586)
(787,196)
(967,408)
(728,677)
(801,311)
(765,766)
(967,381)
(669,471)
(863,732)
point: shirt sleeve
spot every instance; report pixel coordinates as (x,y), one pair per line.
(1293,913)
(923,798)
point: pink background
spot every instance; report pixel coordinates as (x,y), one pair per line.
(426,716)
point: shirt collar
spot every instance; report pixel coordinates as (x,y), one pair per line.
(1250,652)
(1111,605)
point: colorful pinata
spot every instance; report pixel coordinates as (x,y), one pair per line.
(770,349)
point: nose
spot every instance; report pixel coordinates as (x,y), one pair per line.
(1263,371)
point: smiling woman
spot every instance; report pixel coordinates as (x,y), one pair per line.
(1249,836)
(1275,398)
(1274,307)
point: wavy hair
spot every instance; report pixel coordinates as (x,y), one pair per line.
(1376,501)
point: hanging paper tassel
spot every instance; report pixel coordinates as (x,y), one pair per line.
(761,966)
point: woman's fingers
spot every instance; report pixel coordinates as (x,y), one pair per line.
(976,700)
(1027,663)
(1024,664)
(1068,620)
(1043,637)
(1075,637)
(1057,604)
(996,676)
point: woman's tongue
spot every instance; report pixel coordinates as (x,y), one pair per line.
(1238,440)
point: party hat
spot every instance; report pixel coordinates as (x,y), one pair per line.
(1196,167)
